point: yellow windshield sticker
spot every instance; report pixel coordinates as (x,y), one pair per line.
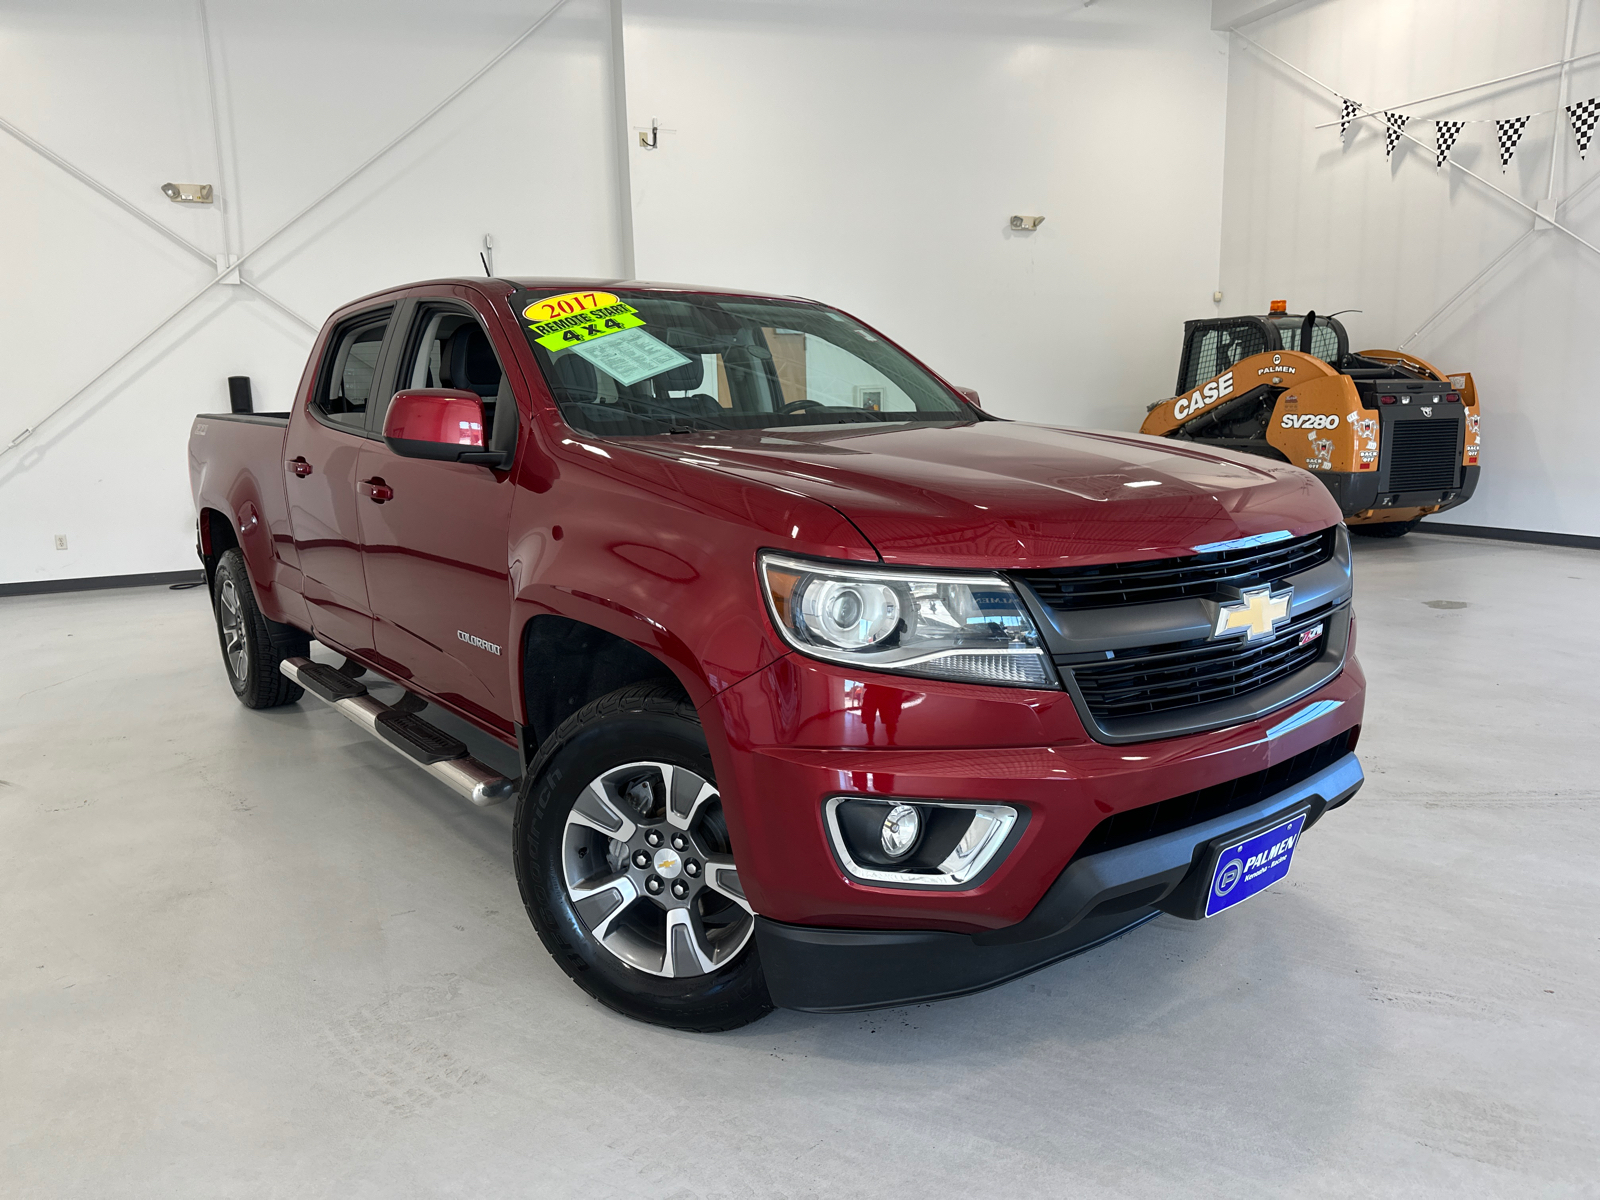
(576,317)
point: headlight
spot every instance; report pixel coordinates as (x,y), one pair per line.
(969,628)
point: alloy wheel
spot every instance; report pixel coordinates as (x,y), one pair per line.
(650,872)
(231,612)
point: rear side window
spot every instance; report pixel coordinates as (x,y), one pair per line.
(1324,338)
(345,386)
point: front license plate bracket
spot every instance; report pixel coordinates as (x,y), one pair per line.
(1246,865)
(1196,897)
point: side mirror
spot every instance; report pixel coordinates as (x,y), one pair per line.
(972,395)
(442,424)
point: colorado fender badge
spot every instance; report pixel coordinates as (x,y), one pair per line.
(478,642)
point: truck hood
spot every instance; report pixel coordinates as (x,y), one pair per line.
(1009,495)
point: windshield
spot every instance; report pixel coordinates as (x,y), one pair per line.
(626,363)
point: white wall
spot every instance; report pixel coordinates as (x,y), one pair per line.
(870,154)
(1330,226)
(308,90)
(867,154)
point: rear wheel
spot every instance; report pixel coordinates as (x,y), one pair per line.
(626,869)
(249,652)
(1385,529)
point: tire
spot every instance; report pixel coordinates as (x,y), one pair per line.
(1385,529)
(250,651)
(609,909)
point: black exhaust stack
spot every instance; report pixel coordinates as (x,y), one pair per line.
(239,399)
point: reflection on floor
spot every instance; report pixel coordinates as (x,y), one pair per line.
(257,954)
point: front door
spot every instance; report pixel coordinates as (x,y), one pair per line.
(436,550)
(322,455)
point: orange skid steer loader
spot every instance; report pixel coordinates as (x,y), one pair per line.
(1392,437)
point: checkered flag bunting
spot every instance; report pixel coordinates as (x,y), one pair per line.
(1391,137)
(1508,133)
(1347,113)
(1582,115)
(1447,132)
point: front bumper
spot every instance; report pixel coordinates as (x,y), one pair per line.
(786,740)
(1096,898)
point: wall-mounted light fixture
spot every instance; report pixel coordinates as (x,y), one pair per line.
(187,193)
(1026,224)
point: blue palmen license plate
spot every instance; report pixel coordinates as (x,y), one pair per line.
(1253,865)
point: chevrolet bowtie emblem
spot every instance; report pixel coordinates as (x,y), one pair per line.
(1255,613)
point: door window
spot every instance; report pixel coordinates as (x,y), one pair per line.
(449,349)
(347,380)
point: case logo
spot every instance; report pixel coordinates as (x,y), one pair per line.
(1210,394)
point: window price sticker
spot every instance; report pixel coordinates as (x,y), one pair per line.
(630,356)
(561,322)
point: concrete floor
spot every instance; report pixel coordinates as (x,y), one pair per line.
(256,954)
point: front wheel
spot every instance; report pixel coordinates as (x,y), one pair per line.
(1385,529)
(626,869)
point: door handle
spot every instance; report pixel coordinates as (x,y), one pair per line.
(375,489)
(300,466)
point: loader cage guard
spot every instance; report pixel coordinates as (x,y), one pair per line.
(1212,346)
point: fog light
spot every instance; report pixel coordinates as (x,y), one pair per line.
(920,843)
(900,829)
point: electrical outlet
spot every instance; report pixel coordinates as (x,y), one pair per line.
(61,541)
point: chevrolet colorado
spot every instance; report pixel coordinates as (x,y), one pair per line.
(830,689)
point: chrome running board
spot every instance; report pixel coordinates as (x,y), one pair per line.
(424,745)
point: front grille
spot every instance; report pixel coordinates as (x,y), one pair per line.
(1155,679)
(1110,584)
(1168,816)
(1423,455)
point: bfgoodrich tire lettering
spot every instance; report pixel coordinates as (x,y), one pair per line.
(651,922)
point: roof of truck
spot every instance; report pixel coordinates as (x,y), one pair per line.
(501,285)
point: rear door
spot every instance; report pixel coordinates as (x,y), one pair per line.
(437,553)
(322,452)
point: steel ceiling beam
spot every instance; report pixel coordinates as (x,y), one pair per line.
(134,210)
(264,242)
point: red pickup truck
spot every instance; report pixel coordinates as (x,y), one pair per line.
(831,690)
